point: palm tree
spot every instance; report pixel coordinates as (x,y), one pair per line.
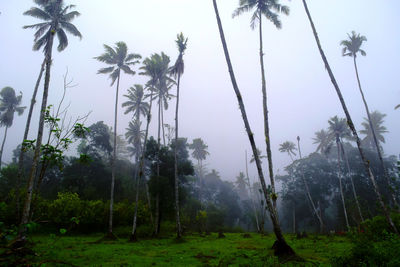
(280,246)
(288,147)
(270,9)
(339,129)
(199,153)
(323,140)
(57,20)
(119,59)
(373,128)
(260,156)
(252,195)
(177,71)
(350,122)
(9,104)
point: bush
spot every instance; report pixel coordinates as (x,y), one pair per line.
(66,206)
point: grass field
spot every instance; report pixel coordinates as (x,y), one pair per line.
(195,250)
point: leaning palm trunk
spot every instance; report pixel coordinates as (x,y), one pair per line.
(350,123)
(26,132)
(139,174)
(319,216)
(280,246)
(352,182)
(178,219)
(251,196)
(2,145)
(113,161)
(378,149)
(266,123)
(340,184)
(32,174)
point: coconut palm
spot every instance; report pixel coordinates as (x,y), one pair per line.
(177,71)
(199,153)
(350,122)
(135,103)
(323,140)
(119,59)
(373,128)
(288,147)
(9,104)
(57,19)
(260,156)
(271,10)
(281,247)
(339,129)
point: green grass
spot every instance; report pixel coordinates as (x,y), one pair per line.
(233,250)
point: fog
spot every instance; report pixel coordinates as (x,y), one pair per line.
(301,98)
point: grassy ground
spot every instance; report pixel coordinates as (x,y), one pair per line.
(233,250)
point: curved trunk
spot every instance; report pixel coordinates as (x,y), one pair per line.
(280,246)
(251,195)
(352,182)
(178,220)
(340,185)
(376,141)
(32,173)
(2,145)
(350,123)
(266,123)
(113,160)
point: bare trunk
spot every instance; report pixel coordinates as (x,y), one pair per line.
(2,145)
(162,122)
(280,246)
(157,211)
(340,185)
(294,219)
(350,123)
(251,194)
(178,220)
(114,158)
(376,141)
(266,123)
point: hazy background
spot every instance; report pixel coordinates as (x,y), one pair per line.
(300,96)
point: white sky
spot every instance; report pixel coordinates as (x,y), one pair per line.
(300,96)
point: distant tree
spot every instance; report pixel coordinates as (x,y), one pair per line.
(350,122)
(241,186)
(199,153)
(281,247)
(377,129)
(177,71)
(260,155)
(270,9)
(119,59)
(323,140)
(289,148)
(9,104)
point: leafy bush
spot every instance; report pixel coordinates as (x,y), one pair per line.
(66,206)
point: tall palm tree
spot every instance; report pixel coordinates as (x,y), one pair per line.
(289,148)
(177,71)
(119,59)
(373,128)
(270,9)
(350,122)
(280,246)
(339,129)
(57,21)
(351,48)
(199,153)
(323,140)
(9,104)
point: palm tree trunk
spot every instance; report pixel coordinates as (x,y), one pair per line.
(352,182)
(376,141)
(32,173)
(26,132)
(162,122)
(251,194)
(113,160)
(178,219)
(350,123)
(319,216)
(280,246)
(294,219)
(340,185)
(157,211)
(2,145)
(266,123)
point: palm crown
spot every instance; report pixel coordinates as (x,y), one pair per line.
(119,58)
(9,104)
(376,121)
(199,149)
(179,66)
(57,19)
(268,8)
(353,45)
(288,147)
(323,139)
(135,101)
(338,128)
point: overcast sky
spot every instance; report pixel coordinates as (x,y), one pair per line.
(301,98)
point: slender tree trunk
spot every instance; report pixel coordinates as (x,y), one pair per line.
(178,219)
(294,219)
(32,173)
(280,246)
(266,122)
(340,184)
(113,160)
(376,141)
(319,216)
(350,123)
(157,211)
(2,145)
(162,122)
(352,182)
(251,194)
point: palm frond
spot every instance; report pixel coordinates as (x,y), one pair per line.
(114,76)
(37,13)
(62,39)
(71,28)
(105,70)
(127,70)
